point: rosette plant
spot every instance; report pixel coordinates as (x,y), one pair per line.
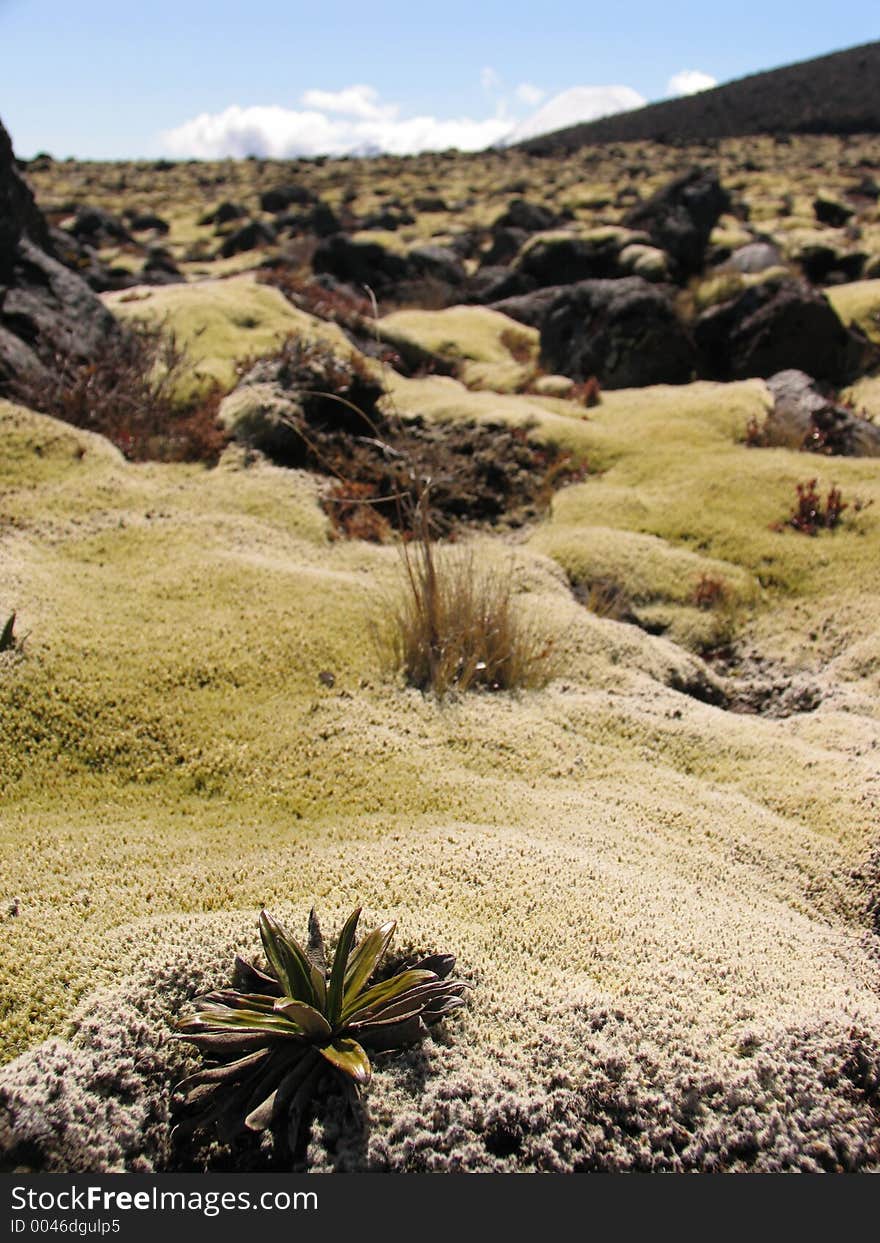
(272,1036)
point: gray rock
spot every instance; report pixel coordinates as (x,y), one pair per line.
(98,227)
(804,416)
(282,197)
(19,214)
(45,309)
(776,326)
(251,235)
(529,308)
(437,262)
(360,263)
(559,259)
(755,257)
(529,217)
(623,332)
(681,216)
(262,416)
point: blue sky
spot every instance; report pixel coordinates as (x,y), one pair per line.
(109,79)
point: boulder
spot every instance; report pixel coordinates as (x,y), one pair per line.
(867,188)
(529,217)
(360,263)
(624,332)
(438,263)
(830,265)
(490,284)
(262,416)
(430,203)
(281,397)
(97,227)
(563,258)
(281,197)
(19,214)
(386,219)
(680,217)
(249,237)
(804,416)
(159,268)
(832,211)
(505,245)
(321,220)
(754,257)
(85,261)
(776,326)
(647,261)
(45,309)
(223,213)
(142,221)
(528,308)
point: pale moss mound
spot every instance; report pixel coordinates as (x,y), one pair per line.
(222,321)
(858,303)
(671,462)
(491,350)
(865,396)
(663,904)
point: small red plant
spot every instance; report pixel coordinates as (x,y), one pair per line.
(588,392)
(710,592)
(756,435)
(810,516)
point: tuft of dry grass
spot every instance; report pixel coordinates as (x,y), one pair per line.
(456,626)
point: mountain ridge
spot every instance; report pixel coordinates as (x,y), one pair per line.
(838,93)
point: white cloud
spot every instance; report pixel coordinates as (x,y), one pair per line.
(282,133)
(579,103)
(353,101)
(529,94)
(689,81)
(355,121)
(490,80)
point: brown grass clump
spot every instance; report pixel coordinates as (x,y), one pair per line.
(127,393)
(456,625)
(605,598)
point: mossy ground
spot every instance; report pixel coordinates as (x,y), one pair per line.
(650,891)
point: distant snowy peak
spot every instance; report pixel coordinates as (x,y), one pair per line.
(571,107)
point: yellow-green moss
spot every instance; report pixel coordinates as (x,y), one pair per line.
(168,749)
(222,321)
(491,350)
(858,303)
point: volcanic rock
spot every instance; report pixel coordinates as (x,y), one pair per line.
(282,197)
(45,309)
(251,235)
(803,415)
(680,217)
(624,332)
(360,263)
(776,326)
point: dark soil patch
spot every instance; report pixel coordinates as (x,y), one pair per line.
(475,474)
(758,686)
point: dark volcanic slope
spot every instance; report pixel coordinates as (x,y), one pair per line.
(836,94)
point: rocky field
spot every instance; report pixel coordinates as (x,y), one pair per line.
(643,384)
